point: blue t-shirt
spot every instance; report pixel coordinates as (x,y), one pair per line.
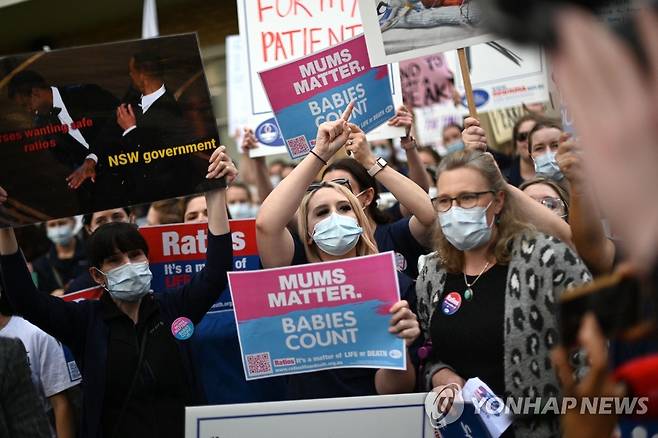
(344,382)
(396,236)
(216,353)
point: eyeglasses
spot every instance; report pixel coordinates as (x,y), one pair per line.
(341,181)
(522,136)
(552,203)
(464,200)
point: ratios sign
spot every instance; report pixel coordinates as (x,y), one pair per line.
(178,251)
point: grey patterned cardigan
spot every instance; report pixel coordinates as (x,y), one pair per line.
(541,268)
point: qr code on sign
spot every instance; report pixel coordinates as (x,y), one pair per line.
(298,146)
(259,364)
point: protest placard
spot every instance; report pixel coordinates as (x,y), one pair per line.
(397,30)
(178,251)
(66,149)
(317,316)
(275,32)
(388,416)
(503,74)
(427,81)
(317,88)
(237,78)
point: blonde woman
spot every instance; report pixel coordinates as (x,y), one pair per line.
(332,226)
(487,296)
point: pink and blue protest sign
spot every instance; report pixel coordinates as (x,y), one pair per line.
(317,316)
(317,88)
(178,251)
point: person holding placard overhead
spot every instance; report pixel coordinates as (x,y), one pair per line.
(132,344)
(490,289)
(333,226)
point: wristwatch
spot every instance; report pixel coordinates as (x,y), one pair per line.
(380,163)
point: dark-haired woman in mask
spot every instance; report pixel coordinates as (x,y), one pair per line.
(131,345)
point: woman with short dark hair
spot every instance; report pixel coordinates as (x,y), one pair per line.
(131,344)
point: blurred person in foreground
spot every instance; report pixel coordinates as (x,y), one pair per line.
(614,103)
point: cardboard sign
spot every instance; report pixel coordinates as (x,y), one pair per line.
(503,78)
(178,251)
(275,32)
(317,316)
(317,89)
(59,126)
(389,416)
(427,81)
(398,30)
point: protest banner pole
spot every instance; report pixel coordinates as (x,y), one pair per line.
(466,77)
(4,81)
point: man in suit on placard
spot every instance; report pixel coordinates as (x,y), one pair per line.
(80,120)
(154,121)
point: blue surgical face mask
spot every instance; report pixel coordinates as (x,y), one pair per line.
(242,210)
(337,234)
(466,229)
(546,165)
(455,146)
(61,234)
(382,152)
(129,282)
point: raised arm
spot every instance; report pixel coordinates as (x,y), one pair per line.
(405,190)
(596,250)
(195,298)
(403,117)
(65,321)
(275,243)
(254,170)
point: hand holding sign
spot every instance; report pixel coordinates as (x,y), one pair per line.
(333,135)
(403,118)
(404,322)
(473,136)
(221,165)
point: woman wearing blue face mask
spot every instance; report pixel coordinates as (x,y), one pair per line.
(490,290)
(64,261)
(543,142)
(131,345)
(332,226)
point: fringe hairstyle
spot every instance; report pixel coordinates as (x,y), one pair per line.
(366,244)
(508,224)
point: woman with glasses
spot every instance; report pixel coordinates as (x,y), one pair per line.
(549,193)
(487,297)
(332,226)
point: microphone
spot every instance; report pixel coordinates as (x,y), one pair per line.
(641,378)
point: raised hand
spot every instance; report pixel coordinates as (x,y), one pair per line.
(333,135)
(221,165)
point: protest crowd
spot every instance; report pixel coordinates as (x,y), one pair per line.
(484,244)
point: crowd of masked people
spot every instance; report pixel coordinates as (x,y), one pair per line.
(485,244)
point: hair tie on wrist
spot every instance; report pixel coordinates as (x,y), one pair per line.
(319,157)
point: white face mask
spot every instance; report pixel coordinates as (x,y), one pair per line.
(464,228)
(275,180)
(242,210)
(129,282)
(337,234)
(61,234)
(546,165)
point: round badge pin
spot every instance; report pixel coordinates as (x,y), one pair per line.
(182,328)
(451,303)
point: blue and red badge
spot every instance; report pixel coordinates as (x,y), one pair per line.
(451,303)
(182,328)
